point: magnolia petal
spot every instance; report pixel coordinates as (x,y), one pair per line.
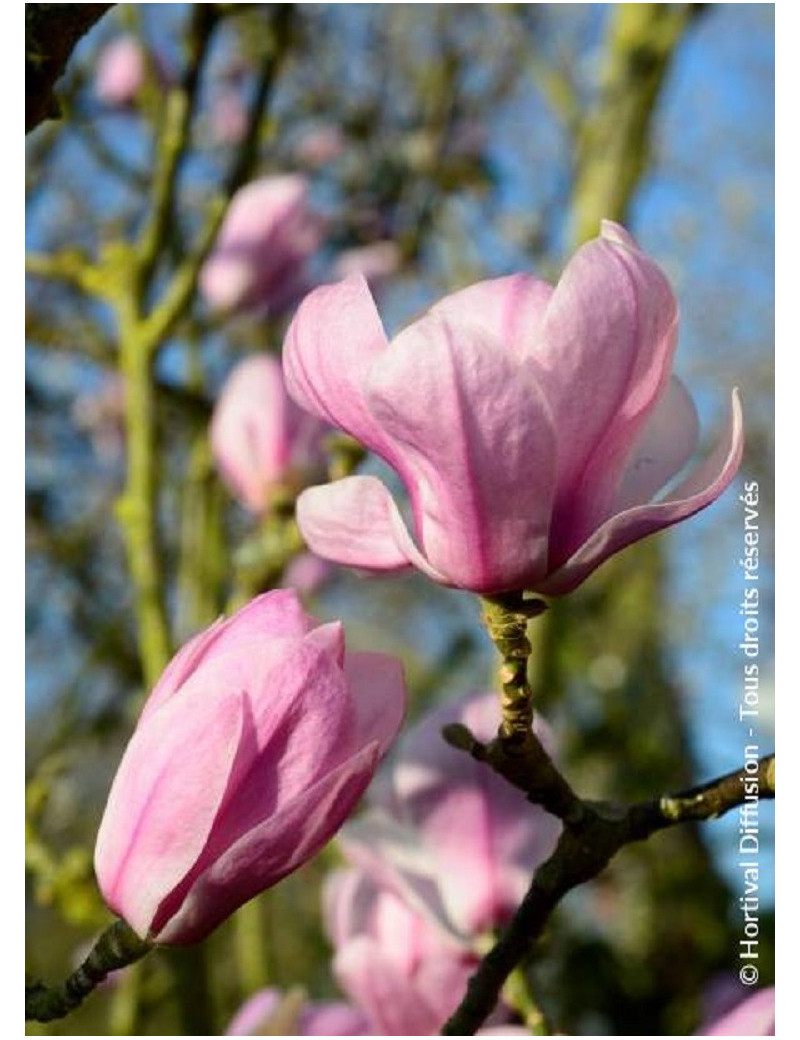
(255,1013)
(377,687)
(334,338)
(163,803)
(393,857)
(389,998)
(478,452)
(605,348)
(510,309)
(664,447)
(700,488)
(249,429)
(754,1016)
(355,521)
(277,613)
(271,850)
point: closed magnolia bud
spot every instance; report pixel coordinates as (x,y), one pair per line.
(251,751)
(120,71)
(261,440)
(260,256)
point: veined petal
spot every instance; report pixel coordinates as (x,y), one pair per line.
(334,339)
(604,354)
(163,803)
(510,309)
(477,450)
(278,613)
(271,850)
(377,687)
(355,521)
(702,486)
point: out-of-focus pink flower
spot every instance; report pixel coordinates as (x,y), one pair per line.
(260,439)
(333,1018)
(253,748)
(320,146)
(120,71)
(260,256)
(534,427)
(754,1016)
(228,117)
(375,262)
(456,841)
(307,573)
(406,976)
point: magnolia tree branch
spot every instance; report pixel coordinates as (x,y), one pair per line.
(116,948)
(593,834)
(51,32)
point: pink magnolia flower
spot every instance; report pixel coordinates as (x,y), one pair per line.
(253,748)
(754,1016)
(267,236)
(255,1017)
(120,71)
(260,439)
(404,975)
(535,428)
(456,841)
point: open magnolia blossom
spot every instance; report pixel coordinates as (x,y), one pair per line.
(251,751)
(452,838)
(535,427)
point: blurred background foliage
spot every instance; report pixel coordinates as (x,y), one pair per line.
(481,139)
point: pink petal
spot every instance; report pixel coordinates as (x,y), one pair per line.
(277,613)
(181,667)
(664,447)
(272,849)
(480,833)
(335,337)
(703,485)
(389,998)
(163,802)
(377,687)
(255,1013)
(355,521)
(754,1016)
(510,309)
(604,351)
(334,1019)
(249,429)
(477,451)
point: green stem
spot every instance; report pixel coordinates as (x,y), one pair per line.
(116,948)
(250,952)
(137,507)
(506,620)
